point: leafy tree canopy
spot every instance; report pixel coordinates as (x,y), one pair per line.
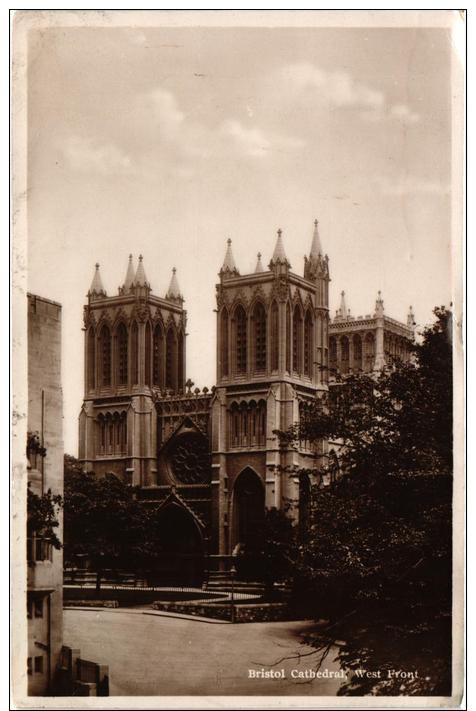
(376,557)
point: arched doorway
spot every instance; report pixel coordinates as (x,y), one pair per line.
(248,521)
(180,547)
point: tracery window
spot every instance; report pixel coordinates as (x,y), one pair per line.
(112,434)
(180,361)
(288,338)
(259,319)
(105,351)
(297,340)
(135,354)
(247,424)
(91,359)
(241,340)
(308,345)
(224,343)
(122,354)
(274,336)
(158,356)
(148,339)
(170,360)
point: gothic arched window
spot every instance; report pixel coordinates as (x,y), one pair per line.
(135,354)
(170,360)
(308,359)
(180,361)
(357,344)
(262,422)
(105,353)
(274,336)
(297,340)
(148,344)
(158,357)
(91,359)
(121,337)
(241,340)
(259,320)
(224,343)
(288,338)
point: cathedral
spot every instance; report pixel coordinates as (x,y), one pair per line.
(208,461)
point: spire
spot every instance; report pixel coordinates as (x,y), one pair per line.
(343,308)
(259,266)
(96,287)
(379,304)
(279,255)
(316,247)
(229,266)
(411,318)
(140,277)
(129,276)
(173,292)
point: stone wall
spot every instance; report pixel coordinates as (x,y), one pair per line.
(45,417)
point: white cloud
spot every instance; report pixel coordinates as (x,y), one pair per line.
(164,111)
(403,113)
(337,88)
(251,141)
(84,155)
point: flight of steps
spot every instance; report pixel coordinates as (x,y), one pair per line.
(222,582)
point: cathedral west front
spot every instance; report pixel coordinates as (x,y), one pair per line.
(208,461)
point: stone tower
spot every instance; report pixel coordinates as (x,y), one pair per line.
(134,352)
(272,359)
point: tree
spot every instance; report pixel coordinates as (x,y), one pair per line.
(376,559)
(104,521)
(42,516)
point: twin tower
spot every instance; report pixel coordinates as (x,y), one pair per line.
(207,461)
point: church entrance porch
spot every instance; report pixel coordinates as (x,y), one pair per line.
(180,556)
(248,525)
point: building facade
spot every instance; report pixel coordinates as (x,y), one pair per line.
(45,471)
(367,343)
(207,460)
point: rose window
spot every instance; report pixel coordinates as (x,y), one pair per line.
(190,459)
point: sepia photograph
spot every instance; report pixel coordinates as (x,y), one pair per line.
(237,358)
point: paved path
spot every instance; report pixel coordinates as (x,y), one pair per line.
(152,655)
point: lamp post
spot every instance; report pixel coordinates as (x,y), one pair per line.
(232,574)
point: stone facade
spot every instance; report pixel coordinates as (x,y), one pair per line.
(207,461)
(367,343)
(45,471)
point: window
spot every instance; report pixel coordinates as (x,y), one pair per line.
(288,338)
(308,345)
(274,336)
(91,359)
(39,665)
(241,340)
(105,351)
(158,356)
(135,354)
(148,338)
(180,362)
(122,354)
(170,361)
(29,604)
(29,666)
(224,343)
(297,340)
(38,605)
(259,319)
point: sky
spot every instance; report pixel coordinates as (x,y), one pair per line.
(166,142)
